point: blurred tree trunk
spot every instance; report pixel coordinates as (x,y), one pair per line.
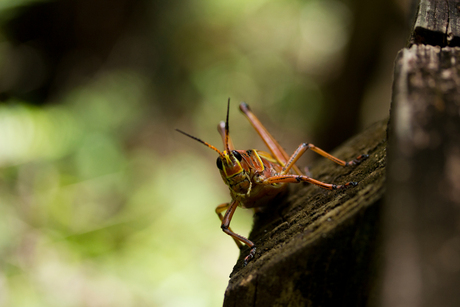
(372,22)
(321,248)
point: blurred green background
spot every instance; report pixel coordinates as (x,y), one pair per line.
(102,203)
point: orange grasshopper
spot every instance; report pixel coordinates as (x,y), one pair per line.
(255,177)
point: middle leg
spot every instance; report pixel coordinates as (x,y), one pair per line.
(303,178)
(305,146)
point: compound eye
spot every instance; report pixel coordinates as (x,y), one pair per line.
(237,155)
(219,163)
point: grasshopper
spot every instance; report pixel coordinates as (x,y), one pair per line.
(256,177)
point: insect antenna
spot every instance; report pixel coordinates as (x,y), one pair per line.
(201,141)
(227,128)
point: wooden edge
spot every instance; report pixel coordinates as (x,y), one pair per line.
(314,238)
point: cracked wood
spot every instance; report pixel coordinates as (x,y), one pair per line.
(437,23)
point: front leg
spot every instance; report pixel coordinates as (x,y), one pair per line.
(231,207)
(221,208)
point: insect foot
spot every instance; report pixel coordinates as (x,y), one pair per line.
(344,186)
(358,160)
(250,256)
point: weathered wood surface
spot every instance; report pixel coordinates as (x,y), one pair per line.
(422,224)
(437,23)
(316,248)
